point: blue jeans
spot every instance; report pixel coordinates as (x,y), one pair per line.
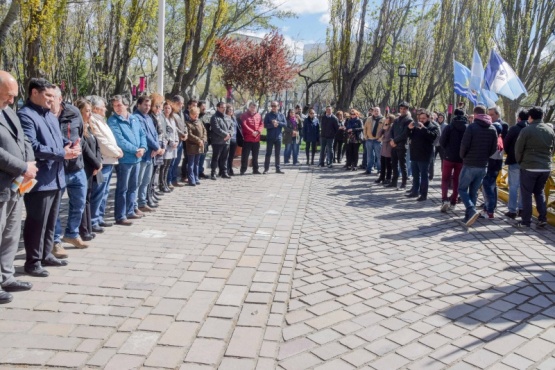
(174,167)
(291,148)
(99,196)
(76,186)
(193,168)
(326,148)
(489,184)
(470,180)
(420,179)
(145,175)
(407,158)
(515,199)
(126,190)
(373,150)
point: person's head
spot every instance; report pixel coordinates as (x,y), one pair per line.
(329,110)
(479,109)
(252,107)
(85,108)
(523,115)
(143,104)
(376,111)
(192,103)
(535,113)
(167,108)
(435,116)
(194,113)
(389,119)
(440,118)
(156,101)
(41,92)
(470,117)
(423,116)
(291,113)
(403,108)
(178,101)
(201,106)
(229,109)
(298,109)
(220,107)
(119,104)
(274,106)
(354,113)
(339,115)
(311,113)
(56,107)
(98,105)
(494,113)
(8,89)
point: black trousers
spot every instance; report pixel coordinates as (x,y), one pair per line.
(232,150)
(533,183)
(337,149)
(86,226)
(385,169)
(164,169)
(310,149)
(249,147)
(272,145)
(38,236)
(352,154)
(219,158)
(399,159)
(184,162)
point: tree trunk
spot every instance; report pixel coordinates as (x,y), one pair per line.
(207,84)
(7,23)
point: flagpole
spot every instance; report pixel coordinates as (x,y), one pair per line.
(454,93)
(161,31)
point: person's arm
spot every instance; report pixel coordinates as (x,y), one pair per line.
(519,146)
(432,132)
(444,138)
(510,139)
(366,128)
(142,136)
(465,142)
(122,142)
(288,128)
(402,135)
(268,121)
(281,120)
(358,128)
(245,126)
(41,151)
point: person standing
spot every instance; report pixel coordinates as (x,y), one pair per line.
(440,120)
(171,137)
(450,142)
(111,152)
(385,154)
(42,203)
(292,137)
(220,130)
(339,141)
(251,127)
(329,126)
(515,198)
(17,162)
(422,136)
(195,145)
(131,139)
(354,129)
(229,111)
(534,150)
(399,132)
(311,133)
(176,173)
(372,127)
(479,142)
(274,122)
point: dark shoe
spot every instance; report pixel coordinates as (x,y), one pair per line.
(138,212)
(177,184)
(520,225)
(411,195)
(192,184)
(472,219)
(5,297)
(153,205)
(134,217)
(421,199)
(385,182)
(367,172)
(391,185)
(354,169)
(257,173)
(378,181)
(519,213)
(330,166)
(87,237)
(18,286)
(242,173)
(541,224)
(106,224)
(202,176)
(511,215)
(231,173)
(403,186)
(225,176)
(213,177)
(409,191)
(280,172)
(55,262)
(124,223)
(167,190)
(265,172)
(97,229)
(37,272)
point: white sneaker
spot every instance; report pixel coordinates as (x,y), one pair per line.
(444,206)
(452,206)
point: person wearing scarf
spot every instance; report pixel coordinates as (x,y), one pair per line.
(292,137)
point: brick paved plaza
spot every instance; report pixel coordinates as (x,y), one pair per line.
(311,269)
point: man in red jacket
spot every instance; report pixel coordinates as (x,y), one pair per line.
(251,127)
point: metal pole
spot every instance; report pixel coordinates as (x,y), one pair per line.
(401,90)
(161,31)
(408,84)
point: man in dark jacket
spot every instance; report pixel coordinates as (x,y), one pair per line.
(534,151)
(515,200)
(399,134)
(450,142)
(329,125)
(422,135)
(50,148)
(17,164)
(221,129)
(71,126)
(479,142)
(274,122)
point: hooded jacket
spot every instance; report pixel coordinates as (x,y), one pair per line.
(510,140)
(451,139)
(535,146)
(479,142)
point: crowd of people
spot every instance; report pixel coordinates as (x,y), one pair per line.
(162,144)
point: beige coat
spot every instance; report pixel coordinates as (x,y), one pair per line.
(106,140)
(369,125)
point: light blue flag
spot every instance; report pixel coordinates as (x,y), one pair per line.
(502,79)
(477,72)
(462,82)
(487,98)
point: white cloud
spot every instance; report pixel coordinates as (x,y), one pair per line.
(325,18)
(303,6)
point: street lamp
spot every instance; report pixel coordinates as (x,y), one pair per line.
(413,74)
(402,73)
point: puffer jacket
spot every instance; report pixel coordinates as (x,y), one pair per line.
(400,130)
(479,142)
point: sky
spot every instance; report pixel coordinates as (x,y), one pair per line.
(310,24)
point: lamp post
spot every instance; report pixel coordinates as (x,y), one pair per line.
(161,30)
(402,73)
(412,74)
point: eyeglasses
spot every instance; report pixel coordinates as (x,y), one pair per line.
(273,106)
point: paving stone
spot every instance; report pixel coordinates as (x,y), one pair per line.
(301,362)
(27,357)
(245,342)
(482,358)
(68,359)
(359,357)
(205,351)
(124,362)
(139,343)
(329,351)
(165,357)
(535,349)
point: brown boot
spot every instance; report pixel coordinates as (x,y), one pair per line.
(58,251)
(76,242)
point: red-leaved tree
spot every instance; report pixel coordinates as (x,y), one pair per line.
(261,68)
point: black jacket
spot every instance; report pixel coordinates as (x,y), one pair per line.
(422,141)
(478,144)
(329,126)
(510,140)
(92,157)
(451,138)
(71,125)
(399,131)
